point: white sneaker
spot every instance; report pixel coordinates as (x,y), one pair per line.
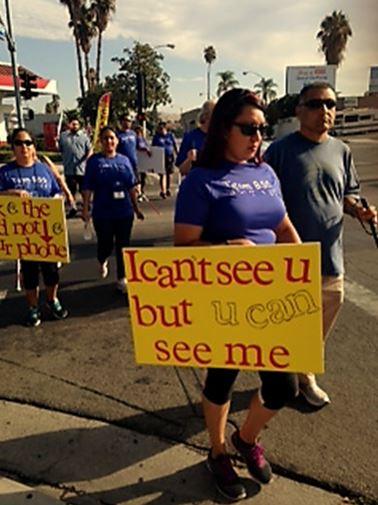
(122,285)
(313,394)
(104,270)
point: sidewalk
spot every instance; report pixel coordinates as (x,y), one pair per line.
(84,462)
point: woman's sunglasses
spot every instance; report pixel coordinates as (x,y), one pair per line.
(249,130)
(20,143)
(318,103)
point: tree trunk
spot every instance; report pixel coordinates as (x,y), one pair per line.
(72,13)
(98,61)
(80,68)
(87,73)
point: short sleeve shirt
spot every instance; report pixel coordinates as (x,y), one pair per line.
(315,178)
(234,201)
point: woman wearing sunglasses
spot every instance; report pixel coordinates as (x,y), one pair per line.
(232,197)
(27,177)
(110,177)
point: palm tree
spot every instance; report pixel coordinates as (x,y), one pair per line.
(265,89)
(74,7)
(87,30)
(103,10)
(227,81)
(333,37)
(210,55)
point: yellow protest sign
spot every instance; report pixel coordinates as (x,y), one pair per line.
(256,308)
(103,110)
(33,229)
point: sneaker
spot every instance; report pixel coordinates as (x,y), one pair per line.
(253,455)
(313,394)
(122,285)
(56,309)
(168,193)
(226,479)
(140,198)
(104,270)
(162,195)
(33,318)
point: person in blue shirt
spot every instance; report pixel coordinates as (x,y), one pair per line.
(27,177)
(232,197)
(165,139)
(319,184)
(193,141)
(127,142)
(110,178)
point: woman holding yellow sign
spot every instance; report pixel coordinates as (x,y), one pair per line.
(233,198)
(27,177)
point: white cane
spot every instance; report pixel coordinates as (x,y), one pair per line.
(18,275)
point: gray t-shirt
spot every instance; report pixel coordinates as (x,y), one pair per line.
(315,178)
(74,148)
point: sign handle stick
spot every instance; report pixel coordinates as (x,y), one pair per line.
(18,275)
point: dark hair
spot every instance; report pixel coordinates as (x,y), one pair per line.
(107,128)
(16,131)
(125,117)
(228,107)
(314,85)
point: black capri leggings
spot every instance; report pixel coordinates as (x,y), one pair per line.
(277,389)
(30,273)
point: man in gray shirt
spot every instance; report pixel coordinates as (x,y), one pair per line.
(319,183)
(75,147)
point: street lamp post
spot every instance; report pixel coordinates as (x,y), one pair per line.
(169,46)
(12,51)
(245,72)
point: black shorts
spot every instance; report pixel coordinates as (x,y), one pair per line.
(30,273)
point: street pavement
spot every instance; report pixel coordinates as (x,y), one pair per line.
(83,424)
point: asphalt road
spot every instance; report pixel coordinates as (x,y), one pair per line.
(85,364)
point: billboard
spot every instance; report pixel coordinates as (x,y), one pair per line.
(373,81)
(298,76)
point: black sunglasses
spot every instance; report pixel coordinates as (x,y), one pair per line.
(248,129)
(20,143)
(318,103)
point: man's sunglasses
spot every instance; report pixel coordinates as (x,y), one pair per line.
(249,130)
(318,103)
(20,143)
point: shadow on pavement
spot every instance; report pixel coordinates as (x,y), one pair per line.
(80,302)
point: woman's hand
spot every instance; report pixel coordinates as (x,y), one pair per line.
(139,215)
(21,193)
(240,241)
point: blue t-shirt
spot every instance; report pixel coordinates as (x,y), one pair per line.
(110,179)
(167,141)
(315,178)
(234,201)
(127,146)
(192,140)
(37,179)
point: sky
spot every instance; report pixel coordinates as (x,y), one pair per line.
(261,36)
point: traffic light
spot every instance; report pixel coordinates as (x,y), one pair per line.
(28,82)
(141,92)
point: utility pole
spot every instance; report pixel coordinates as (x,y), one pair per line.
(12,51)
